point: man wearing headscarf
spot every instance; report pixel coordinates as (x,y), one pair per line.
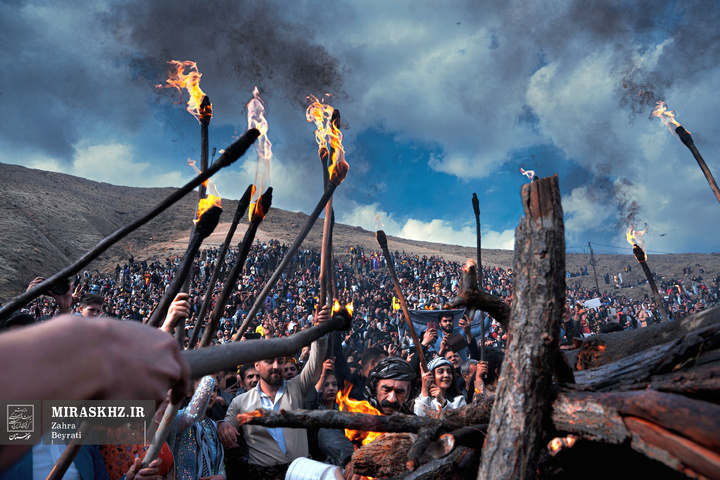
(389,385)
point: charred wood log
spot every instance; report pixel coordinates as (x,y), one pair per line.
(605,348)
(461,464)
(524,399)
(657,360)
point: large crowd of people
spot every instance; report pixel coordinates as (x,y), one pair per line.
(376,360)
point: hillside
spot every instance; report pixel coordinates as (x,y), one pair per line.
(51,219)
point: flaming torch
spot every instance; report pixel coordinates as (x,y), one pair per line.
(336,173)
(239,212)
(635,238)
(668,119)
(198,104)
(261,208)
(256,119)
(208,212)
(382,241)
(327,123)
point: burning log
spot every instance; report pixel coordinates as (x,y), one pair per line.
(382,241)
(261,208)
(204,227)
(239,212)
(642,260)
(205,116)
(690,144)
(523,401)
(232,153)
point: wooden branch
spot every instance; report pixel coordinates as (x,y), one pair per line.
(660,359)
(495,307)
(524,399)
(212,359)
(461,464)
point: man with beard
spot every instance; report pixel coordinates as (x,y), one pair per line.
(388,388)
(270,450)
(388,385)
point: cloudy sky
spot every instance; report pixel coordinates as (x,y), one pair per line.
(441,100)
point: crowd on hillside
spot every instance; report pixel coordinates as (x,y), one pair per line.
(376,359)
(132,290)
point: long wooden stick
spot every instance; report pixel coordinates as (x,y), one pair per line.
(239,212)
(688,141)
(205,226)
(284,263)
(382,241)
(232,153)
(261,209)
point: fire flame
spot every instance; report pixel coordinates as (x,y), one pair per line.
(213,198)
(635,237)
(468,265)
(256,119)
(336,307)
(328,127)
(558,443)
(528,173)
(347,404)
(667,116)
(190,82)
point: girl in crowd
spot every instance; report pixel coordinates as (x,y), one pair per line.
(439,388)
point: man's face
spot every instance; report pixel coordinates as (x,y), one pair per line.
(391,394)
(454,358)
(251,379)
(470,374)
(290,371)
(271,370)
(446,324)
(92,310)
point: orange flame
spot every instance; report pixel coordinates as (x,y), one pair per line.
(190,82)
(336,307)
(322,116)
(213,197)
(468,265)
(256,119)
(243,418)
(347,404)
(667,116)
(635,237)
(558,443)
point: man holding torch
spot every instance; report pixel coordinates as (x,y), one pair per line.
(271,450)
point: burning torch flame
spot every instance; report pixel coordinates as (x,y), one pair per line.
(336,307)
(213,197)
(322,116)
(256,119)
(558,443)
(347,404)
(667,116)
(528,173)
(635,237)
(191,82)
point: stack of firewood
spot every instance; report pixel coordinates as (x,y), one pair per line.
(635,404)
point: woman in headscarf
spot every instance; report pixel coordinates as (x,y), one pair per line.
(439,388)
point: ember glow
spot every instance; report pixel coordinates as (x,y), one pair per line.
(347,404)
(256,119)
(213,198)
(190,82)
(667,116)
(327,127)
(559,443)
